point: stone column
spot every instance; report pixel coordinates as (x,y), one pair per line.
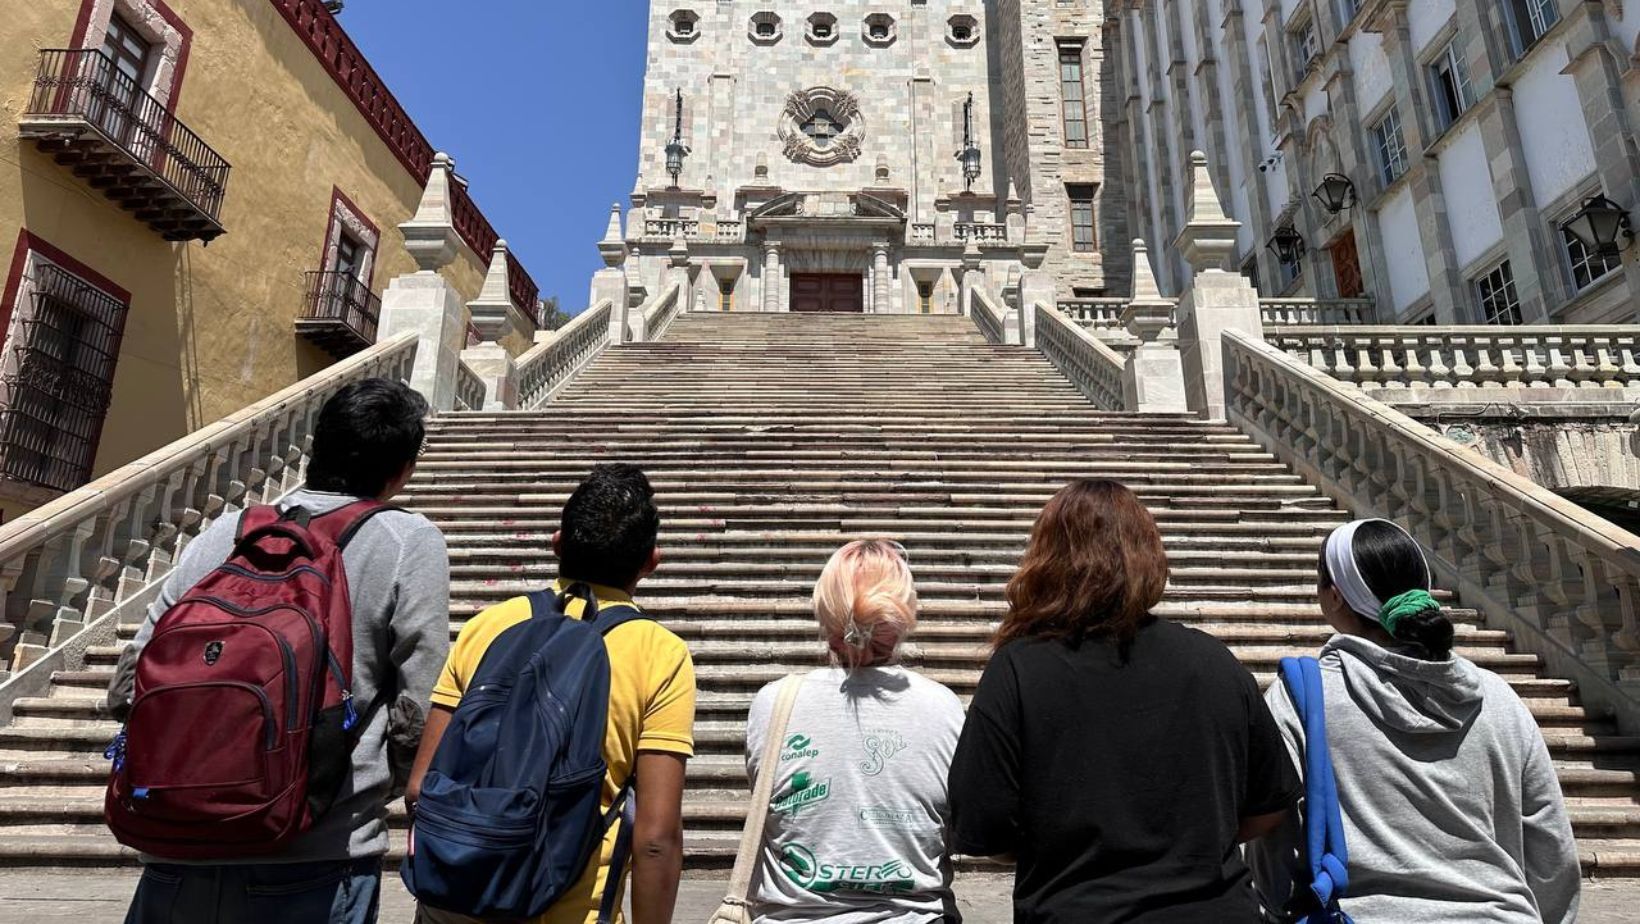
(426,302)
(1153,379)
(771,276)
(495,317)
(611,281)
(1219,299)
(1036,287)
(881,298)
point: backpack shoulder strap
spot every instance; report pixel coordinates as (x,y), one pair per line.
(252,519)
(1326,852)
(339,526)
(616,616)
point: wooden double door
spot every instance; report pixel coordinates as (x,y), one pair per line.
(828,292)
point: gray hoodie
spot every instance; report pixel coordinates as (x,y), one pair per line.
(1452,810)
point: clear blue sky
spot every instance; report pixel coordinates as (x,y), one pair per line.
(538,102)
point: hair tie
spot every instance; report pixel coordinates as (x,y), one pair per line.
(1408,604)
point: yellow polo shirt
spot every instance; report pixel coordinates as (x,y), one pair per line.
(651,708)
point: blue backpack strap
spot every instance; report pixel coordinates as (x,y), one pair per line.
(1326,853)
(624,813)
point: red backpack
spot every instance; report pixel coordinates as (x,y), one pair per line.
(241,726)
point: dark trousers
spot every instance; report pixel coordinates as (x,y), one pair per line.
(268,893)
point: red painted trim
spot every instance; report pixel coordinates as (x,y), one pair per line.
(82,26)
(346,64)
(336,195)
(27,242)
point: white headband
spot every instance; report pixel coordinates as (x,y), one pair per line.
(1346,573)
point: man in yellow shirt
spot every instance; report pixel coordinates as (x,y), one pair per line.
(607,541)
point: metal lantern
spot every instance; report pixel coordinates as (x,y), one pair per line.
(969,155)
(1336,193)
(676,150)
(1598,223)
(1288,245)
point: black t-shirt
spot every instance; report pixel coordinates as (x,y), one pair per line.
(1119,787)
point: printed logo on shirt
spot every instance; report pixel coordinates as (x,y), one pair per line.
(803,868)
(799,746)
(879,747)
(883,816)
(804,792)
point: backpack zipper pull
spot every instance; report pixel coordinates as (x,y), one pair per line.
(350,716)
(116,751)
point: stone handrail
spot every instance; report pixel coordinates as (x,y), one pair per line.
(981,231)
(991,320)
(1297,311)
(1592,358)
(1094,313)
(1564,581)
(1094,368)
(659,314)
(470,389)
(93,555)
(545,368)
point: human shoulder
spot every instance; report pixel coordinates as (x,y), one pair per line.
(494,620)
(934,693)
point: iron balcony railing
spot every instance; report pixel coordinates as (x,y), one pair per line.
(343,297)
(58,380)
(84,83)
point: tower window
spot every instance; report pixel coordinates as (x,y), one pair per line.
(1084,234)
(1075,96)
(765,29)
(822,128)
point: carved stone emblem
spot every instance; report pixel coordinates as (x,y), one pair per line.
(822,127)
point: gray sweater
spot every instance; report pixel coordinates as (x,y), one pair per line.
(1452,810)
(398,572)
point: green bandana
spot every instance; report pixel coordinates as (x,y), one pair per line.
(1398,608)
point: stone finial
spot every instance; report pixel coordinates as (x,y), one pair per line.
(882,171)
(613,247)
(678,253)
(493,313)
(1013,195)
(761,171)
(1147,315)
(430,235)
(972,256)
(1208,239)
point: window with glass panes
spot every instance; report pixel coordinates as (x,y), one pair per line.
(1074,93)
(1495,294)
(127,49)
(1084,236)
(1390,146)
(1306,41)
(1530,20)
(1450,84)
(1587,266)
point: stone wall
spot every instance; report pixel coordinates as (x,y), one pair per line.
(1560,447)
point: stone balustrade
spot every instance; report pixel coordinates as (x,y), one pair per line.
(1329,311)
(1094,368)
(1564,581)
(549,365)
(669,229)
(1102,314)
(1584,359)
(981,231)
(924,232)
(470,390)
(78,563)
(651,320)
(731,231)
(991,319)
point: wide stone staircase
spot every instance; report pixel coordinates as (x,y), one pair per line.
(771,440)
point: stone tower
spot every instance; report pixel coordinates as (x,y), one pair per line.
(842,154)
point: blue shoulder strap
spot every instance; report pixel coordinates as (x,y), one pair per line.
(1325,850)
(544,604)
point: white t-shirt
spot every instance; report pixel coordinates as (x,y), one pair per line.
(857,821)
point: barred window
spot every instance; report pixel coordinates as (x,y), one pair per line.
(1390,146)
(58,379)
(1496,295)
(1074,92)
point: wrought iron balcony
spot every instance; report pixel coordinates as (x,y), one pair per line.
(101,124)
(341,314)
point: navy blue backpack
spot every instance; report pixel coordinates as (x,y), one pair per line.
(1326,854)
(510,811)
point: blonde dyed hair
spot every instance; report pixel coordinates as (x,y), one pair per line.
(866,602)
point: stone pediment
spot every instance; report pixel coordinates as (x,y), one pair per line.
(825,206)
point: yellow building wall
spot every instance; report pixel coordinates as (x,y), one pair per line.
(211,329)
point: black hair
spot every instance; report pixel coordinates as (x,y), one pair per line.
(609,527)
(368,434)
(1392,563)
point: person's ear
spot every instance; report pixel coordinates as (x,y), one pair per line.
(558,543)
(653,564)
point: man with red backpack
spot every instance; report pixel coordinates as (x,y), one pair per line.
(274,695)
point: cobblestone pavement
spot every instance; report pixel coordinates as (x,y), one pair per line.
(30,896)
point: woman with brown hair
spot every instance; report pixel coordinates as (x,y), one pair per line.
(1119,757)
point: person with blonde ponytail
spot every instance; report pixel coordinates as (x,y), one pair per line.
(1450,805)
(856,821)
